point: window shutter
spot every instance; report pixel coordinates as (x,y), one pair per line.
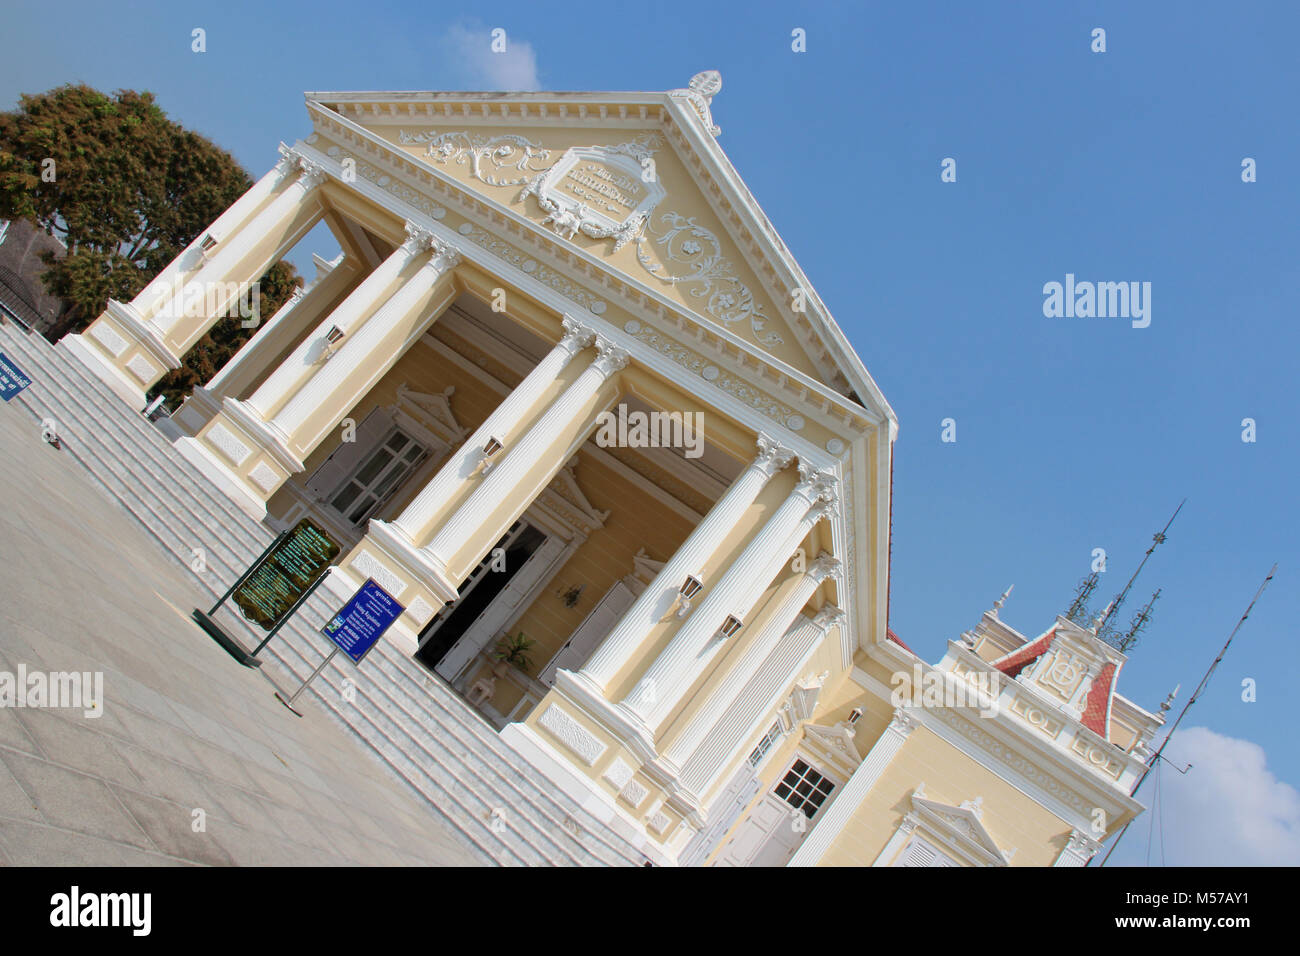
(920,853)
(347,458)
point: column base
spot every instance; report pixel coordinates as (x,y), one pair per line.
(386,561)
(585,791)
(220,474)
(199,409)
(427,569)
(578,688)
(103,369)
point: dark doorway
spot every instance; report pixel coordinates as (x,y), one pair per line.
(477,593)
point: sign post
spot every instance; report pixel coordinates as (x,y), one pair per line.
(276,585)
(354,630)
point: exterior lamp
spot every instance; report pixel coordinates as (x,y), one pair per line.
(730,626)
(332,339)
(490,448)
(690,587)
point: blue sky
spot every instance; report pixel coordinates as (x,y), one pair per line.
(1072,433)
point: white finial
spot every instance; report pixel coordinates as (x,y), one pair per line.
(1100,618)
(997,605)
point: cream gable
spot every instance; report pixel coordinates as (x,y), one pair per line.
(621,195)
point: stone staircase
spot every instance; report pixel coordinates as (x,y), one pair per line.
(418,728)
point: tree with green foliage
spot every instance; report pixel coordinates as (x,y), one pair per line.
(126,190)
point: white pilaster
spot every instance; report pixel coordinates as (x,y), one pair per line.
(754,704)
(177,304)
(696,642)
(1078,850)
(726,692)
(842,808)
(505,419)
(656,600)
(505,479)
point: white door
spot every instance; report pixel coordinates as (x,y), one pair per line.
(597,625)
(777,825)
(503,609)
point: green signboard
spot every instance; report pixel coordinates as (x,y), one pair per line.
(291,567)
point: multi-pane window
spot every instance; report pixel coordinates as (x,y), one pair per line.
(366,490)
(764,745)
(804,788)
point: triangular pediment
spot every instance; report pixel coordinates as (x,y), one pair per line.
(635,182)
(963,825)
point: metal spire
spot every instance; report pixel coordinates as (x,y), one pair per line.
(1155,757)
(1157,539)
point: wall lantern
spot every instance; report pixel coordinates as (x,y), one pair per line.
(690,587)
(490,448)
(730,626)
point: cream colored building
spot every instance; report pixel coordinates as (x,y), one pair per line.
(712,669)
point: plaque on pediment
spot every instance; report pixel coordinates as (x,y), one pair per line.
(599,191)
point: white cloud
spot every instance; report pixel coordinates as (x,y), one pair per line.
(469,50)
(1228,810)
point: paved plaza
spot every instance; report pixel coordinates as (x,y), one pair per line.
(184,728)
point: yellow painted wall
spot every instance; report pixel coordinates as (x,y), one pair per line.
(1012,819)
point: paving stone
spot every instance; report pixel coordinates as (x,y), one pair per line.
(74,801)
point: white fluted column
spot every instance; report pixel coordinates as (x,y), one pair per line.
(505,479)
(156,293)
(755,702)
(656,600)
(725,693)
(837,815)
(696,643)
(359,344)
(281,384)
(169,314)
(504,419)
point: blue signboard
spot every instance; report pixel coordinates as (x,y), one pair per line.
(12,379)
(363,620)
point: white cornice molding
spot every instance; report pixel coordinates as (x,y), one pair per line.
(632,296)
(1071,793)
(658,108)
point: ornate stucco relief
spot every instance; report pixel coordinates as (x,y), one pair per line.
(675,249)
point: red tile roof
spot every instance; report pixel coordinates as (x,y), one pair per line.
(1013,663)
(1096,709)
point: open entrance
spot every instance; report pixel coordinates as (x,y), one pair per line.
(457,633)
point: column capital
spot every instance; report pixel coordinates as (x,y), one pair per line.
(816,485)
(610,359)
(576,335)
(292,161)
(828,617)
(445,255)
(417,238)
(772,455)
(824,566)
(902,723)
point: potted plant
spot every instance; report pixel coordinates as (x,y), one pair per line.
(512,651)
